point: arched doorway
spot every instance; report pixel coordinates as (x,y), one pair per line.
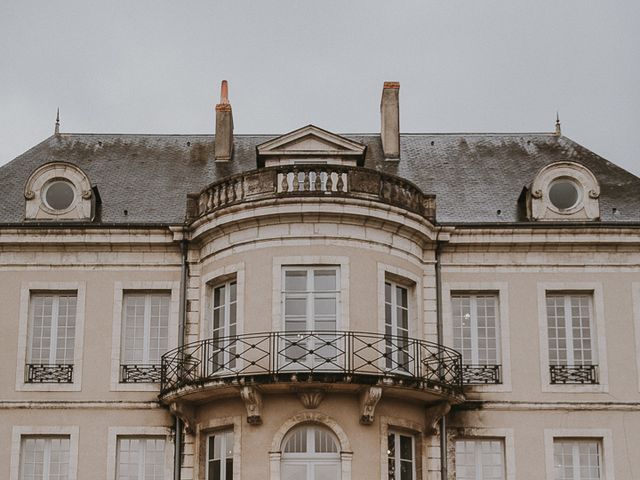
(310,452)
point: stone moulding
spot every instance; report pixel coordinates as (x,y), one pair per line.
(324,181)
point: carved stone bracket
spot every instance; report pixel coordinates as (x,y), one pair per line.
(311,398)
(253,402)
(369,398)
(433,414)
(185,413)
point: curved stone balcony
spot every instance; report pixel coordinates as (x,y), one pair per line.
(311,181)
(311,361)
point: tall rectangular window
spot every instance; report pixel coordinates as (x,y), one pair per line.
(140,458)
(401,456)
(570,331)
(223,325)
(396,326)
(220,456)
(44,457)
(476,335)
(577,459)
(310,297)
(52,333)
(145,333)
(480,459)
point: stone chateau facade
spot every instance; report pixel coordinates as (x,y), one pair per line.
(319,306)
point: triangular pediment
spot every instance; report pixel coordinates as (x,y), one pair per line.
(311,142)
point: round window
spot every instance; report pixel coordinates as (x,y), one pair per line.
(59,194)
(564,194)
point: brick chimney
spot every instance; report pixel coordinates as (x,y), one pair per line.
(224,126)
(390,117)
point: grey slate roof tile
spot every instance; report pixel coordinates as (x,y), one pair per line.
(472,175)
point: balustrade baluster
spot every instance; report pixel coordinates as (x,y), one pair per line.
(306,177)
(340,184)
(329,187)
(317,184)
(296,180)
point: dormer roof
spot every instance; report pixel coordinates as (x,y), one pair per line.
(309,143)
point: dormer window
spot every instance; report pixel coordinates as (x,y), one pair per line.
(58,194)
(58,191)
(564,191)
(564,194)
(310,145)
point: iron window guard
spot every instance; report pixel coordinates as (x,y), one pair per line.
(573,374)
(481,374)
(140,373)
(49,373)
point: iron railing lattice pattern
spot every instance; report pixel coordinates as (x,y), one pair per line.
(573,374)
(481,374)
(149,373)
(327,356)
(49,373)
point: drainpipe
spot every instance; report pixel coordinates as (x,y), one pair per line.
(184,250)
(443,420)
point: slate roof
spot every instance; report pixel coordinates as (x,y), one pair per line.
(472,175)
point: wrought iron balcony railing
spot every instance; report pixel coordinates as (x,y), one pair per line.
(573,374)
(311,181)
(481,374)
(140,373)
(323,356)
(55,373)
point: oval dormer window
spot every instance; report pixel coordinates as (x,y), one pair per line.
(564,194)
(564,191)
(58,191)
(59,194)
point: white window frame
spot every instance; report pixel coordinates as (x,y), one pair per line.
(26,290)
(598,335)
(404,427)
(279,263)
(604,436)
(413,283)
(205,429)
(311,458)
(636,320)
(508,443)
(502,291)
(397,460)
(20,431)
(310,416)
(223,464)
(119,290)
(212,279)
(112,446)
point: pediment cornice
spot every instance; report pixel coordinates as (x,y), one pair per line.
(311,142)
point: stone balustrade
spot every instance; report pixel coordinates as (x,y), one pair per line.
(311,181)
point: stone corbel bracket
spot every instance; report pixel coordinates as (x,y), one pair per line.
(185,413)
(369,399)
(252,399)
(433,414)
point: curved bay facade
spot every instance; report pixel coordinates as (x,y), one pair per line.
(319,306)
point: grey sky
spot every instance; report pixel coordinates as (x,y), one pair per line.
(464,66)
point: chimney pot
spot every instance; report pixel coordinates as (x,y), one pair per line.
(224,126)
(390,120)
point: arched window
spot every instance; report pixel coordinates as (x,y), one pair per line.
(310,452)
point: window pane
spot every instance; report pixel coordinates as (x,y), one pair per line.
(577,459)
(324,280)
(295,281)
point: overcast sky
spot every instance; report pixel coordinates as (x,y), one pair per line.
(464,66)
